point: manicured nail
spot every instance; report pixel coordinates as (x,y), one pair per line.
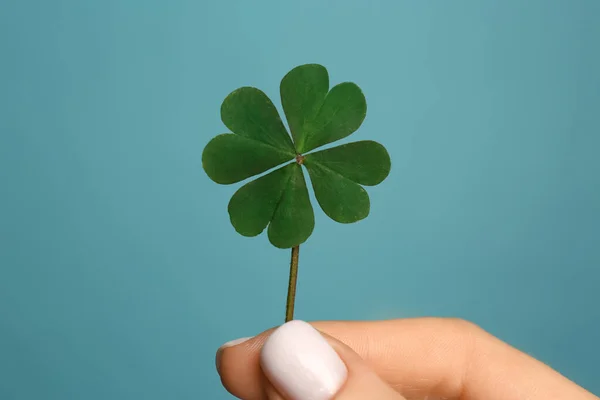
(224,346)
(235,342)
(300,363)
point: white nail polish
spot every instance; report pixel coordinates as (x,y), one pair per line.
(235,342)
(300,363)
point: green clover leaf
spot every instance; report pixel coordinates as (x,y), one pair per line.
(259,142)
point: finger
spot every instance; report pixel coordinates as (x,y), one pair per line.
(439,358)
(301,364)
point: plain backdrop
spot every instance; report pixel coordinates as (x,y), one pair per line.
(120,274)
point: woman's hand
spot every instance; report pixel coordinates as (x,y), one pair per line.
(389,360)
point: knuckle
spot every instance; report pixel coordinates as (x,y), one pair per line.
(465,326)
(468,334)
(465,332)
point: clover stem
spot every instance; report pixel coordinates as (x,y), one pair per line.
(291,296)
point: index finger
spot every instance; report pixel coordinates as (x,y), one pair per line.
(424,357)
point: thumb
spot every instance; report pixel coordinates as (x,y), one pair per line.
(300,363)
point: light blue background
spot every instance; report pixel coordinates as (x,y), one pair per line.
(120,274)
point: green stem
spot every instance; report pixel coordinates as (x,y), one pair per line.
(291,296)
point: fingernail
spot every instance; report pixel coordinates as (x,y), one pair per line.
(235,342)
(299,362)
(224,346)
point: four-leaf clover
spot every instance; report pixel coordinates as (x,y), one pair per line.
(316,117)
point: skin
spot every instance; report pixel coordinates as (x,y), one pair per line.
(420,359)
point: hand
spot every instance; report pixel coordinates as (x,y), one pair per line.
(410,359)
